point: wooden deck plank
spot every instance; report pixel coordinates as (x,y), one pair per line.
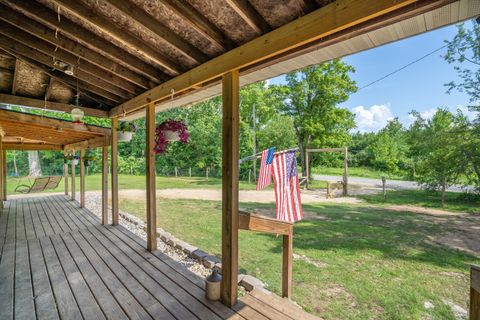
(24,303)
(174,298)
(19,222)
(37,224)
(45,306)
(47,227)
(27,216)
(58,225)
(148,300)
(67,306)
(104,297)
(84,297)
(4,218)
(121,293)
(263,308)
(66,223)
(7,281)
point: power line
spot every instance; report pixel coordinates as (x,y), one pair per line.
(401,68)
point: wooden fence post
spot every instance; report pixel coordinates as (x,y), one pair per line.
(5,175)
(474,293)
(384,190)
(82,179)
(230,155)
(307,168)
(345,173)
(105,185)
(2,178)
(151,183)
(190,172)
(114,160)
(176,172)
(287,265)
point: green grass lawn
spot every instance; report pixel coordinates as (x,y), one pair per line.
(453,201)
(356,172)
(93,182)
(371,263)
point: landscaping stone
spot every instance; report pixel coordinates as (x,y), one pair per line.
(199,254)
(210,261)
(188,248)
(251,283)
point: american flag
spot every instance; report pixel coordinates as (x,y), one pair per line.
(265,174)
(287,187)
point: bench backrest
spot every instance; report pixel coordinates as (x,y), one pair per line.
(53,182)
(39,184)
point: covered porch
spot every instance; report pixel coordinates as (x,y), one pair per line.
(58,261)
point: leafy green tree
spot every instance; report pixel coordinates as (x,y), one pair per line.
(310,98)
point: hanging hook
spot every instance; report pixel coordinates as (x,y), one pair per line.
(172,92)
(58,14)
(124,112)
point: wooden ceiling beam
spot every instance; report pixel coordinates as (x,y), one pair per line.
(117,73)
(48,89)
(82,68)
(250,15)
(95,84)
(36,120)
(104,24)
(323,22)
(155,26)
(78,33)
(57,106)
(15,75)
(201,24)
(91,143)
(30,146)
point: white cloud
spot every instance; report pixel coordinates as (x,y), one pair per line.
(428,114)
(372,119)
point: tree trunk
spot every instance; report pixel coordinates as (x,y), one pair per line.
(15,163)
(34,164)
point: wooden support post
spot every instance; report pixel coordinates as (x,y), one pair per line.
(105,185)
(72,163)
(4,174)
(345,173)
(114,160)
(287,265)
(475,293)
(151,186)
(230,155)
(2,178)
(65,174)
(82,179)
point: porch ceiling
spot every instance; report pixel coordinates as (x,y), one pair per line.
(119,51)
(33,132)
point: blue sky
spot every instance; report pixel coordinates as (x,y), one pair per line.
(419,87)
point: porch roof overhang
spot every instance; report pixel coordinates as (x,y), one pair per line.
(21,131)
(126,54)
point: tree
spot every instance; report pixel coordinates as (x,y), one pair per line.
(310,98)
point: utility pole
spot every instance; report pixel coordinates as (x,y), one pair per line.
(254,144)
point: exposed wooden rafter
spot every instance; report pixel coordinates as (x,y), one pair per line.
(57,106)
(48,89)
(83,69)
(88,15)
(92,143)
(201,24)
(46,64)
(323,22)
(30,146)
(155,26)
(79,33)
(250,15)
(15,75)
(115,72)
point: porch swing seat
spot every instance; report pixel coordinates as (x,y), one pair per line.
(40,184)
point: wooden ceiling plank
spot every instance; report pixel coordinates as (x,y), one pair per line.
(91,143)
(250,15)
(325,21)
(108,81)
(36,120)
(47,34)
(15,75)
(57,106)
(48,89)
(96,84)
(79,33)
(88,15)
(155,26)
(201,24)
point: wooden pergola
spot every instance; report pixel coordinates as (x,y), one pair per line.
(125,59)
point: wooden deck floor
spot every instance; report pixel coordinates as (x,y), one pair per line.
(58,262)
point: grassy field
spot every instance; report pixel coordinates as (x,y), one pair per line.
(356,172)
(453,201)
(359,262)
(93,182)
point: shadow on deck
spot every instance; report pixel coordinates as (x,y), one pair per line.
(58,262)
